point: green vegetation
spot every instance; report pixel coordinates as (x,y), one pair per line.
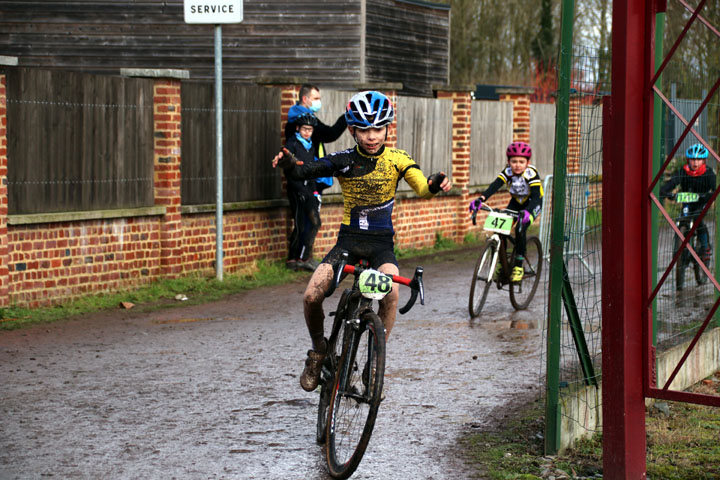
(159,294)
(682,443)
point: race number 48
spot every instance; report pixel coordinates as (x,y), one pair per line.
(374,284)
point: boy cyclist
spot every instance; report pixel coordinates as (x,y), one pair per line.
(368,175)
(694,177)
(526,190)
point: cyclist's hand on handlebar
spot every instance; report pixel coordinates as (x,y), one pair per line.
(438,181)
(475,205)
(285,159)
(524,217)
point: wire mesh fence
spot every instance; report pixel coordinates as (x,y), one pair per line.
(580,332)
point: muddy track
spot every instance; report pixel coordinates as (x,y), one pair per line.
(211,391)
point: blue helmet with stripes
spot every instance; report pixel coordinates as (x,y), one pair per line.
(696,151)
(369,109)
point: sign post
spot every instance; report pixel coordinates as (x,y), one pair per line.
(216,12)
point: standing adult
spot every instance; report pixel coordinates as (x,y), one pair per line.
(308,104)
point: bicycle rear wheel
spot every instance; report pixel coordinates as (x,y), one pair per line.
(356,397)
(482,278)
(522,292)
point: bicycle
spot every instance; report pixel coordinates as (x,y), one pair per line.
(494,253)
(685,223)
(351,379)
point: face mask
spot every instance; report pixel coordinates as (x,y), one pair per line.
(315,105)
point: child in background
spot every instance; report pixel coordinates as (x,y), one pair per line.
(304,198)
(526,190)
(694,177)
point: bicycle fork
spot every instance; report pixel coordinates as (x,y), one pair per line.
(346,387)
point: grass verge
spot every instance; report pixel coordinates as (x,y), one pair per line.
(160,294)
(682,443)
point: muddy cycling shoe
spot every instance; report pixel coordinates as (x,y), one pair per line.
(311,374)
(517,274)
(291,265)
(310,265)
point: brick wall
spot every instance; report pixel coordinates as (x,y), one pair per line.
(57,260)
(4,279)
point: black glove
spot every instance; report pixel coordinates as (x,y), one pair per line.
(437,179)
(288,160)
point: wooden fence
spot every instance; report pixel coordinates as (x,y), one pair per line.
(492,131)
(251,137)
(78,141)
(93,144)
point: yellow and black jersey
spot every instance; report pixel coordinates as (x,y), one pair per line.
(525,189)
(368,184)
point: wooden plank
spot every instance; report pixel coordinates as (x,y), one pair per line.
(274,39)
(251,133)
(542,136)
(491,133)
(424,130)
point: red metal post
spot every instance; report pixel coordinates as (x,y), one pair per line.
(627,166)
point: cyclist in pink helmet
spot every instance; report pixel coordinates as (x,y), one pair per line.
(525,187)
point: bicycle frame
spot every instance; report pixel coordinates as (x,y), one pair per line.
(501,240)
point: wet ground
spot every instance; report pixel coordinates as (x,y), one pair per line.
(212,391)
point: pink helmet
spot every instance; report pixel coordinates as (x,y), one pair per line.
(519,149)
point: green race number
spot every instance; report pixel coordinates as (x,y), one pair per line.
(374,284)
(687,197)
(498,222)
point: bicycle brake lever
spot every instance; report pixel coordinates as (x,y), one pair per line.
(474,216)
(416,286)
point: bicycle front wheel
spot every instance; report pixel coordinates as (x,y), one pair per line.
(482,278)
(522,292)
(356,397)
(329,371)
(682,261)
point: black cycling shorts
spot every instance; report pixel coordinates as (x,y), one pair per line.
(377,249)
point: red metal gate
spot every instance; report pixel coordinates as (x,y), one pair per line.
(652,389)
(628,210)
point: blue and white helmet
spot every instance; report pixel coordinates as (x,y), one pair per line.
(369,109)
(696,151)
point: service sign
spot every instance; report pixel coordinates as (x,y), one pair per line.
(213,11)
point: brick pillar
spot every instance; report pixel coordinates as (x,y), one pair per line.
(520,97)
(4,271)
(288,98)
(167,142)
(574,131)
(461,132)
(392,128)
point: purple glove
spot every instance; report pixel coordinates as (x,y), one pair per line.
(475,205)
(525,217)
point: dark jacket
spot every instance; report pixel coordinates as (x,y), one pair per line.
(303,188)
